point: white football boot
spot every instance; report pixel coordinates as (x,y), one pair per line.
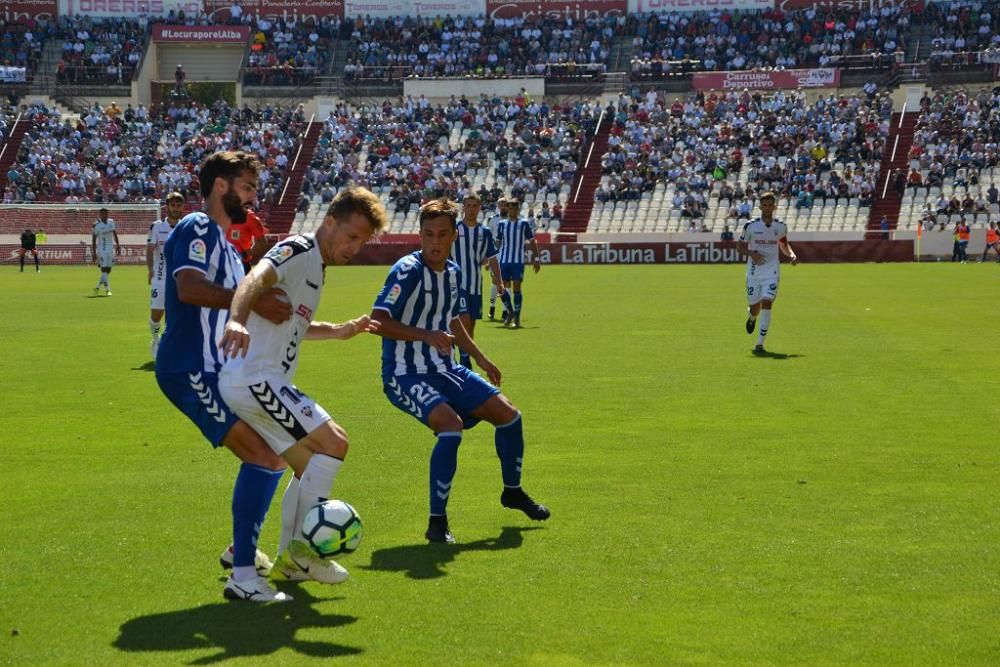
(262,562)
(253,590)
(299,563)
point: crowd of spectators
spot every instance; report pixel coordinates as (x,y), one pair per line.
(136,154)
(289,53)
(791,147)
(481,47)
(956,137)
(21,49)
(406,151)
(99,50)
(962,27)
(770,39)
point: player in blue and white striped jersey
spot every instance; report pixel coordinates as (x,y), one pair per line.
(492,223)
(474,247)
(203,270)
(512,235)
(418,310)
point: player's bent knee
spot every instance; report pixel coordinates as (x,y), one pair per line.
(443,419)
(249,447)
(330,439)
(497,410)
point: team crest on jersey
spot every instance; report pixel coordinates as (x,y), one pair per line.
(307,411)
(197,251)
(394,293)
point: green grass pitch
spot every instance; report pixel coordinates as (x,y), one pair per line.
(839,504)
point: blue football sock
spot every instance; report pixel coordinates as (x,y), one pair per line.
(506,302)
(510,450)
(252,495)
(444,462)
(518,300)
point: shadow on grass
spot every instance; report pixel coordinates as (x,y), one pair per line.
(236,629)
(776,355)
(148,366)
(426,561)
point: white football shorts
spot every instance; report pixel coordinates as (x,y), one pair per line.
(762,290)
(279,412)
(106,258)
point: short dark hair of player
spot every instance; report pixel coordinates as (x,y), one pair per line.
(228,165)
(355,199)
(768,195)
(175,196)
(438,207)
(472,196)
(103,210)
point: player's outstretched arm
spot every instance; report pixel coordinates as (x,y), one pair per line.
(342,331)
(390,327)
(467,345)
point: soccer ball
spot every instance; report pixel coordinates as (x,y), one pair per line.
(332,527)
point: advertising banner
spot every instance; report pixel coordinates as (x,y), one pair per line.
(418,8)
(304,11)
(9,74)
(847,5)
(226,34)
(824,77)
(71,253)
(129,8)
(689,6)
(577,10)
(707,252)
(19,11)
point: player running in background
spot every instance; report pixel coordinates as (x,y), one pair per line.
(248,237)
(101,237)
(512,234)
(203,270)
(28,241)
(761,240)
(474,247)
(256,380)
(492,224)
(156,266)
(418,310)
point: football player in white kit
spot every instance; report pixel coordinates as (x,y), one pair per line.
(261,358)
(761,241)
(101,238)
(156,265)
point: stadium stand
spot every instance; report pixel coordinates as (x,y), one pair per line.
(954,162)
(411,152)
(99,50)
(698,163)
(480,47)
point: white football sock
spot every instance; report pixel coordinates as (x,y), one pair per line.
(316,484)
(244,573)
(289,507)
(154,327)
(765,322)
